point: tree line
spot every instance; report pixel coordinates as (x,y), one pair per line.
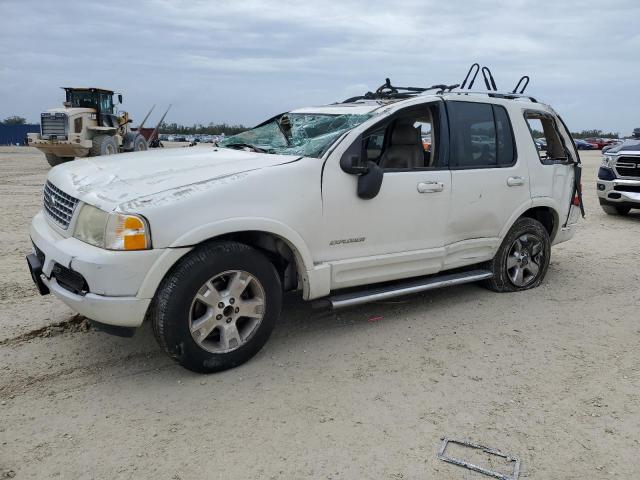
(583,134)
(14,120)
(199,129)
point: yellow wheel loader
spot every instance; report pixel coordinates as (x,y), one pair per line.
(88,125)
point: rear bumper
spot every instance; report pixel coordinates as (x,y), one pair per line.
(569,230)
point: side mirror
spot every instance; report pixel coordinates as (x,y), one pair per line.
(119,98)
(369,183)
(353,164)
(353,159)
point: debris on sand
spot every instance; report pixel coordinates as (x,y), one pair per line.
(512,462)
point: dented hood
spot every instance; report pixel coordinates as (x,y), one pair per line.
(110,181)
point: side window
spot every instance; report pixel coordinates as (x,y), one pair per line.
(506,145)
(546,136)
(407,141)
(373,146)
(481,136)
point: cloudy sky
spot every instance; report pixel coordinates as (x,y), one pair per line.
(243,61)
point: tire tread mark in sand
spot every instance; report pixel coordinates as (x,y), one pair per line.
(77,323)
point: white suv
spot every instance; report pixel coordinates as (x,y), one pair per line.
(379,196)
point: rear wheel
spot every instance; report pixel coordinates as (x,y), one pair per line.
(615,210)
(54,160)
(217,307)
(523,258)
(103,145)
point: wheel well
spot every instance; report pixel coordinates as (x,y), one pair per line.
(546,216)
(277,250)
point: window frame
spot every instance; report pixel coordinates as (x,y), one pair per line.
(440,129)
(540,113)
(495,125)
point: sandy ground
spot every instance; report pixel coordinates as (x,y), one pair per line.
(549,375)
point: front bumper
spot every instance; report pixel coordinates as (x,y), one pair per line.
(73,147)
(120,285)
(613,192)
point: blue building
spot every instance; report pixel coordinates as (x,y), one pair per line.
(16,134)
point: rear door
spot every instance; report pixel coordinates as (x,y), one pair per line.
(489,180)
(553,176)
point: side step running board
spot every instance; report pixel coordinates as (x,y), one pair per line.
(406,288)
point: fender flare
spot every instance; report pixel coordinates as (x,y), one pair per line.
(247,224)
(533,203)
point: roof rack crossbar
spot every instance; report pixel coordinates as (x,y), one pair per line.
(525,79)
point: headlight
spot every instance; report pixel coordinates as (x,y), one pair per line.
(113,231)
(608,161)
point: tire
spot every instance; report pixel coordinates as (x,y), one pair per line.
(535,244)
(140,144)
(210,273)
(615,210)
(54,160)
(103,145)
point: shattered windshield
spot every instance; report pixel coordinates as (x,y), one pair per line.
(306,134)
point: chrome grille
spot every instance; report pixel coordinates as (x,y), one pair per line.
(53,124)
(628,166)
(58,205)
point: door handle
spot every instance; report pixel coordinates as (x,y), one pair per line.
(515,181)
(430,187)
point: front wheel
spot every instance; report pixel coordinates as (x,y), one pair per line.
(103,145)
(523,258)
(218,306)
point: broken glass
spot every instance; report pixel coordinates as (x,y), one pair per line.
(305,134)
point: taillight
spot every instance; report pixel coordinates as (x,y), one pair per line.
(576,198)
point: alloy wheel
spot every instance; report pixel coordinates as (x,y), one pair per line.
(226,311)
(525,259)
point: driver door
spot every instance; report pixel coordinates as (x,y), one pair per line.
(400,232)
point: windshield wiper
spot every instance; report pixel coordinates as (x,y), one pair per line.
(238,146)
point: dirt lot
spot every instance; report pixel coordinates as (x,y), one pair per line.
(550,375)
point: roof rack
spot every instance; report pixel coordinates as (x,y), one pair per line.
(490,83)
(386,91)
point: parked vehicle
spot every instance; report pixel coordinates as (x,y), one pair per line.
(88,124)
(583,145)
(541,143)
(611,145)
(618,182)
(600,143)
(341,203)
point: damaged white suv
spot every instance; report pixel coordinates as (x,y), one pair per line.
(382,195)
